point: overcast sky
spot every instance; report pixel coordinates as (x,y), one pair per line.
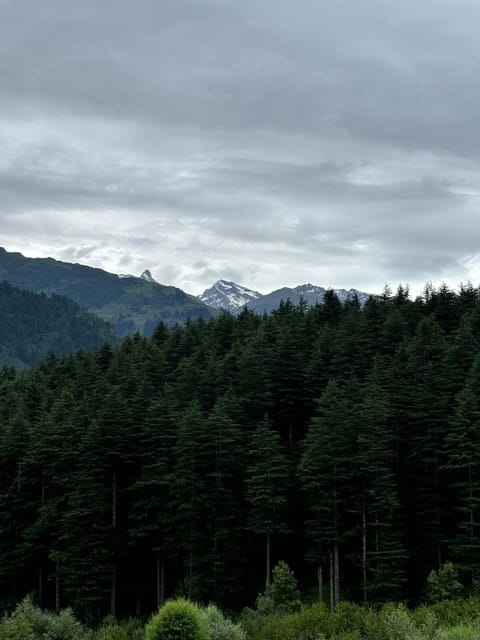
(272,142)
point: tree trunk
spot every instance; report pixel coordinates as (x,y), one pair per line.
(113,592)
(57,586)
(114,500)
(320,581)
(40,587)
(162,581)
(160,573)
(364,555)
(332,595)
(336,569)
(268,568)
(336,572)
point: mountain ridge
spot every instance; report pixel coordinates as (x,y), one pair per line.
(224,294)
(129,303)
(232,297)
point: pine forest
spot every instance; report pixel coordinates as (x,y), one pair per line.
(342,439)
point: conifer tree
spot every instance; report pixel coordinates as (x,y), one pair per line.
(383,554)
(151,527)
(462,445)
(426,418)
(267,476)
(325,470)
(188,486)
(224,496)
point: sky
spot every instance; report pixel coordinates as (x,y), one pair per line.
(268,142)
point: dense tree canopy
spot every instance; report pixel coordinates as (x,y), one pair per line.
(344,439)
(32,325)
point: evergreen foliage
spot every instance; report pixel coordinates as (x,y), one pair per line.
(443,584)
(336,436)
(266,485)
(284,589)
(32,325)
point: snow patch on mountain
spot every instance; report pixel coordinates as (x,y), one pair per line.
(229,295)
(234,297)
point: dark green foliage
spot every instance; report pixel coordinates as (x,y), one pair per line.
(29,622)
(443,584)
(266,485)
(126,630)
(177,620)
(34,325)
(338,437)
(326,474)
(377,501)
(221,627)
(462,455)
(284,589)
(309,624)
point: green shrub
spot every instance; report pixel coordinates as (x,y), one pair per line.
(398,625)
(348,617)
(220,627)
(177,620)
(443,584)
(347,635)
(312,623)
(461,632)
(16,628)
(450,613)
(128,630)
(251,621)
(42,625)
(265,605)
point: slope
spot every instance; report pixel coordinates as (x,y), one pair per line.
(129,303)
(32,325)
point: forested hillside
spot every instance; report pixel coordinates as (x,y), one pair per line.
(130,304)
(33,325)
(342,439)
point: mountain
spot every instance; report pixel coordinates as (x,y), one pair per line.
(32,325)
(229,295)
(233,297)
(147,275)
(129,303)
(311,293)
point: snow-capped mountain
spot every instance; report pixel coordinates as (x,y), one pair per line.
(233,297)
(229,295)
(310,293)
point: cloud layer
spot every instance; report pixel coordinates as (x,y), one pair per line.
(271,143)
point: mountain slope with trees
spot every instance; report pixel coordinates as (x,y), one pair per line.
(342,439)
(33,325)
(130,304)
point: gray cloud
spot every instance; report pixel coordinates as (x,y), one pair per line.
(271,143)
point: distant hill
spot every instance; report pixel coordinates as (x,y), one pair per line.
(233,297)
(128,303)
(32,325)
